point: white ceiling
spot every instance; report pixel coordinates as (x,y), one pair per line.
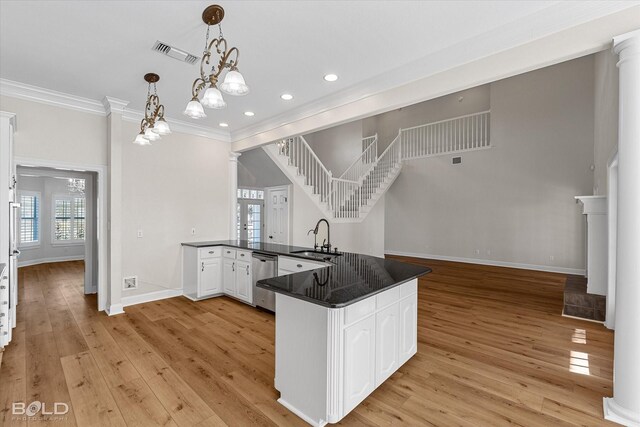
(97,48)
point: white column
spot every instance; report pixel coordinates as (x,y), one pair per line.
(115,108)
(233,194)
(624,406)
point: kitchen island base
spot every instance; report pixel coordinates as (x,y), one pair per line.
(328,360)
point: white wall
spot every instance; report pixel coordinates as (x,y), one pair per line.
(180,182)
(512,203)
(337,147)
(45,251)
(605,116)
(60,134)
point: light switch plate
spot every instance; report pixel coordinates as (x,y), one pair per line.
(140,234)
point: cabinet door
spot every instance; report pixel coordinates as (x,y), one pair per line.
(209,277)
(408,328)
(244,285)
(386,343)
(229,276)
(359,362)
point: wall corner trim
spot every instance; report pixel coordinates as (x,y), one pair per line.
(115,309)
(114,105)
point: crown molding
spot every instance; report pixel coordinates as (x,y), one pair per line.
(50,97)
(114,105)
(105,107)
(181,126)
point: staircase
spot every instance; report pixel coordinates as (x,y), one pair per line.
(350,197)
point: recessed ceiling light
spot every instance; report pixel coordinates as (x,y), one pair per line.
(224,125)
(286,96)
(249,113)
(331,77)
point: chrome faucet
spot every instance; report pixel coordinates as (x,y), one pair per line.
(326,244)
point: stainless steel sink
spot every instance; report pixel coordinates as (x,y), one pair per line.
(322,256)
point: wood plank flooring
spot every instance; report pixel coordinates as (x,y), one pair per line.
(493,350)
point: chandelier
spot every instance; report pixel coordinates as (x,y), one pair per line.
(153,125)
(233,83)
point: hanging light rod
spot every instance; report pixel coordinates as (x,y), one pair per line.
(153,125)
(233,83)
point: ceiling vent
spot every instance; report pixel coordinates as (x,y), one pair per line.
(175,53)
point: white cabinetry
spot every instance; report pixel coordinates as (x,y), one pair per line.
(217,272)
(353,349)
(359,361)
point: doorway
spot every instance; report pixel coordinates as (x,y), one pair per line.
(277,218)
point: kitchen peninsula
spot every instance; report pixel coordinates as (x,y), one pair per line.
(344,324)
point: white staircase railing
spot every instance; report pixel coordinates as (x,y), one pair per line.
(464,133)
(308,165)
(350,196)
(361,166)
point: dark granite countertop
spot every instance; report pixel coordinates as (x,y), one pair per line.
(347,279)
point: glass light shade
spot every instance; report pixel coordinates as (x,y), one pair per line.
(151,135)
(213,99)
(234,84)
(162,127)
(141,140)
(194,110)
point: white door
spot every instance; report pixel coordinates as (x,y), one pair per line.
(359,363)
(243,281)
(229,276)
(277,216)
(408,332)
(386,343)
(210,276)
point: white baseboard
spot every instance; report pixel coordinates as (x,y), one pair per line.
(618,414)
(547,268)
(151,296)
(115,309)
(27,263)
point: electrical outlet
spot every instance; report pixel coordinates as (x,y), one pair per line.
(140,234)
(477,251)
(489,252)
(552,258)
(193,231)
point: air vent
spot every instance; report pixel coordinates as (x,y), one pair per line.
(130,282)
(175,53)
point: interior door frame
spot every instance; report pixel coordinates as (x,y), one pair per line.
(612,219)
(101,225)
(263,221)
(268,199)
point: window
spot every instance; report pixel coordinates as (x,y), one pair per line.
(246,193)
(29,218)
(69,219)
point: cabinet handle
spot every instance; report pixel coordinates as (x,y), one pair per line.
(233,267)
(247,270)
(203,266)
(211,252)
(299,265)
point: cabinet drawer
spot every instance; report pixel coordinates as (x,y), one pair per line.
(409,288)
(243,255)
(297,264)
(229,252)
(387,297)
(209,252)
(359,310)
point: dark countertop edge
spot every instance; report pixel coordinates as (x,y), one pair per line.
(264,285)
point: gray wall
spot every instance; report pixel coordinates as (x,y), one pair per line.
(605,116)
(257,170)
(47,187)
(337,147)
(514,202)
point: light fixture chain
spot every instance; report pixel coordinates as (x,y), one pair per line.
(221,36)
(206,41)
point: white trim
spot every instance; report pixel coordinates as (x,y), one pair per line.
(50,97)
(13,121)
(301,414)
(115,309)
(581,318)
(38,196)
(150,296)
(618,414)
(65,258)
(114,105)
(612,240)
(547,268)
(104,291)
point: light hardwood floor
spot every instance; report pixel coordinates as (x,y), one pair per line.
(493,350)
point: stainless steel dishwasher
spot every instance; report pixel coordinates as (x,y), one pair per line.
(264,267)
